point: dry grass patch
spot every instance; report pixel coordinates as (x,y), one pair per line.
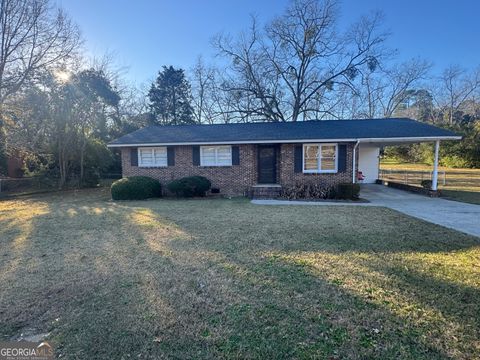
(228,279)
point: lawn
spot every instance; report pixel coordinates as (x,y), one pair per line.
(228,279)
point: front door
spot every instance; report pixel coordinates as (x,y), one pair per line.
(267,164)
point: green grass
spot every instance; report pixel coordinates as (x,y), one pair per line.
(228,279)
(472,197)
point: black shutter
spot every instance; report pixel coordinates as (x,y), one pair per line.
(196,155)
(298,158)
(134,157)
(170,155)
(235,155)
(342,158)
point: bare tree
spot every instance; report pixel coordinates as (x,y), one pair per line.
(251,80)
(300,57)
(202,80)
(458,88)
(385,91)
(33,35)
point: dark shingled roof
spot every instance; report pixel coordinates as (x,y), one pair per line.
(347,130)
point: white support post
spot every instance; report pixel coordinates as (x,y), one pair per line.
(435,166)
(354,162)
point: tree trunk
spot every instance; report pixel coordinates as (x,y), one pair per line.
(3,145)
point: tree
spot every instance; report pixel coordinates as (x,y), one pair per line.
(457,90)
(203,79)
(170,98)
(34,35)
(298,59)
(95,101)
(388,90)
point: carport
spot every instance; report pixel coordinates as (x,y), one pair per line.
(368,155)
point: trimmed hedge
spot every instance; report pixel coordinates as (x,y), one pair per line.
(136,188)
(348,191)
(190,186)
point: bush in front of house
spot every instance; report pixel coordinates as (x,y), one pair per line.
(136,188)
(190,186)
(348,191)
(308,191)
(426,184)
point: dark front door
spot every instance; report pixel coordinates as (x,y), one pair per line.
(267,164)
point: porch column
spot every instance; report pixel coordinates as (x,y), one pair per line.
(435,166)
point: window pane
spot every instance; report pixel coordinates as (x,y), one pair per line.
(146,157)
(224,156)
(311,157)
(208,156)
(160,156)
(328,163)
(328,151)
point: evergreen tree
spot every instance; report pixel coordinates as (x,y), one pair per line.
(170,98)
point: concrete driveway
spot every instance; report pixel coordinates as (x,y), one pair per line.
(452,214)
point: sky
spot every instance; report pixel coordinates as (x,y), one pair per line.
(143,35)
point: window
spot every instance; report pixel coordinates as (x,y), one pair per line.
(320,158)
(152,157)
(215,156)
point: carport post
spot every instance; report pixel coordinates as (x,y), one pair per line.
(435,166)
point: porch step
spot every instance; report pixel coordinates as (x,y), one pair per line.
(265,191)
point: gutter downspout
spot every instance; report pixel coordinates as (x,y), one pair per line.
(354,172)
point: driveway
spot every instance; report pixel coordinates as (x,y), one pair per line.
(452,214)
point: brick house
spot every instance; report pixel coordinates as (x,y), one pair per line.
(261,158)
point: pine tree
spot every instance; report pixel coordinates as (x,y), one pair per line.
(170,98)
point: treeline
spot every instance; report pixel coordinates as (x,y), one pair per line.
(58,109)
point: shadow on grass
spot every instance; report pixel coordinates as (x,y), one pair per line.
(162,279)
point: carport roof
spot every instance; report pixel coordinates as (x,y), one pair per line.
(392,130)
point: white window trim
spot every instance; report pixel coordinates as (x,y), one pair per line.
(216,161)
(319,171)
(153,157)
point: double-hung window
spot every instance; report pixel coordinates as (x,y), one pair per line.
(320,158)
(215,156)
(152,157)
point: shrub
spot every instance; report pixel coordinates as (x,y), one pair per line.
(348,191)
(136,188)
(454,161)
(190,186)
(308,191)
(426,184)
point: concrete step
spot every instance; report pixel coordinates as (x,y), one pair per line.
(265,191)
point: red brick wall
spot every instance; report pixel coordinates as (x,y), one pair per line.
(231,180)
(287,175)
(236,179)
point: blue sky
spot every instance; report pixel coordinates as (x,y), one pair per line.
(144,35)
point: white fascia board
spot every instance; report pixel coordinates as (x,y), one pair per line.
(409,139)
(290,141)
(234,142)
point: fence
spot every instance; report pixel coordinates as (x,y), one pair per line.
(462,179)
(412,177)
